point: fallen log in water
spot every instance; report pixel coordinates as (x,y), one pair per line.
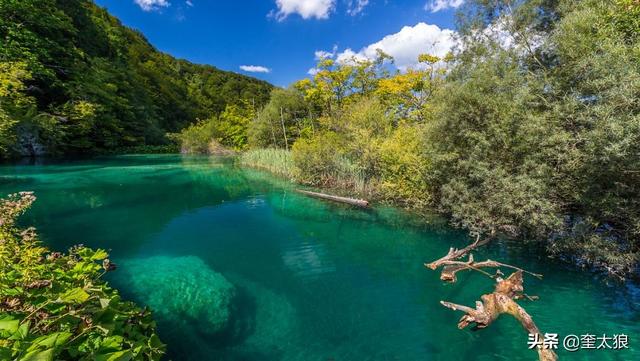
(354,202)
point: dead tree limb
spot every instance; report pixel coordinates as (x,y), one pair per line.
(491,305)
(455,253)
(501,301)
(450,268)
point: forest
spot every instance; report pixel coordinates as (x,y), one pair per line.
(74,80)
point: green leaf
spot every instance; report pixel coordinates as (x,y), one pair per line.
(9,324)
(155,342)
(5,353)
(22,332)
(46,355)
(50,341)
(115,356)
(75,295)
(112,343)
(99,255)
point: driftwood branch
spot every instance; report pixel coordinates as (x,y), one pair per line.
(450,268)
(491,305)
(455,253)
(501,301)
(355,202)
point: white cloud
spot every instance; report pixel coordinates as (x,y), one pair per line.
(151,5)
(319,9)
(323,54)
(349,56)
(438,5)
(405,45)
(255,69)
(189,3)
(313,71)
(355,7)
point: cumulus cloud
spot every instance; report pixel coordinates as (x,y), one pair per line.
(324,54)
(255,69)
(438,5)
(405,45)
(349,56)
(307,9)
(152,5)
(355,7)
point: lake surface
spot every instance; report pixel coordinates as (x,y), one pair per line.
(297,278)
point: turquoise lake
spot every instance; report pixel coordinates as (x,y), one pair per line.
(238,266)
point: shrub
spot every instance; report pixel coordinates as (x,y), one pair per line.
(55,306)
(217,135)
(195,138)
(404,167)
(321,161)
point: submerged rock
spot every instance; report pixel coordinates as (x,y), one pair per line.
(182,291)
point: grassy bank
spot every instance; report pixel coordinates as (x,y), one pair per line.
(344,178)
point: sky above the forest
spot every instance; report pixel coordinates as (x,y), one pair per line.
(281,40)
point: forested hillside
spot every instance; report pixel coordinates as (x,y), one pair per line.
(73,79)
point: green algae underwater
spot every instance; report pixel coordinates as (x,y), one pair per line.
(237,266)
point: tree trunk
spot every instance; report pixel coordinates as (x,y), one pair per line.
(355,202)
(284,130)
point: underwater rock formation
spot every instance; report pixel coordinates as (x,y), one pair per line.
(182,291)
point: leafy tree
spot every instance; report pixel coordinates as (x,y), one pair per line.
(282,120)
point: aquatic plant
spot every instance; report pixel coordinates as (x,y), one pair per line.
(55,306)
(183,291)
(276,161)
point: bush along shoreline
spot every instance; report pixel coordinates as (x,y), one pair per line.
(55,306)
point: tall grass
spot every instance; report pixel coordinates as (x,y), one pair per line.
(343,176)
(276,161)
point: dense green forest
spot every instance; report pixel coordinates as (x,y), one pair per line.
(529,129)
(73,79)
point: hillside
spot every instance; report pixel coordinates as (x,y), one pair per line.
(75,80)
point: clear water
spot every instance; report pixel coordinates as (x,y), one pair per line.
(240,267)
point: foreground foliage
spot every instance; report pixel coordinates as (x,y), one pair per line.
(54,306)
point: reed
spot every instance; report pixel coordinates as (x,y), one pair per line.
(276,161)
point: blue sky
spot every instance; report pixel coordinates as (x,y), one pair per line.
(279,40)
